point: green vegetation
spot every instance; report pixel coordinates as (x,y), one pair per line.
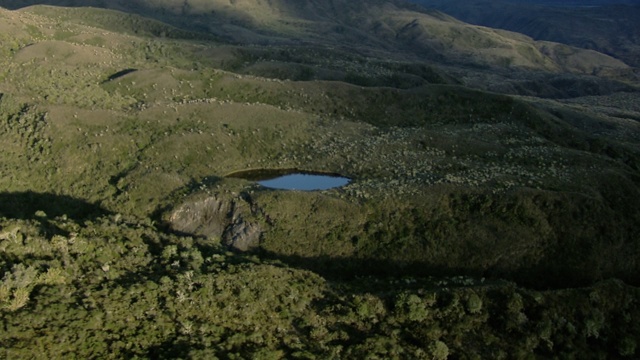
(477,225)
(115,287)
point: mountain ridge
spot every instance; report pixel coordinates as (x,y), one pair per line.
(374,25)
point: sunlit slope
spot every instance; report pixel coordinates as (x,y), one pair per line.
(369,26)
(393,24)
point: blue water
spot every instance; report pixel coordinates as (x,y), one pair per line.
(305,182)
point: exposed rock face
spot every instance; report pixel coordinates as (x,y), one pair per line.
(217,218)
(242,235)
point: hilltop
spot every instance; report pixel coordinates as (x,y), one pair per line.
(476,224)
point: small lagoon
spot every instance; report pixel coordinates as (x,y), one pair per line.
(293,179)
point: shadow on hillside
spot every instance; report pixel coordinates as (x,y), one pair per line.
(19,4)
(25,205)
(115,5)
(179,27)
(545,276)
(346,268)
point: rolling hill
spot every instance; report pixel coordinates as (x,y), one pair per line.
(393,27)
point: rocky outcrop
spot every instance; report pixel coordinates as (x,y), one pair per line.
(218,218)
(242,235)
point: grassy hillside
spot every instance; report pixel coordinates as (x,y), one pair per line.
(366,26)
(131,125)
(477,225)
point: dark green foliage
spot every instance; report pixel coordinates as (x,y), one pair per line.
(116,287)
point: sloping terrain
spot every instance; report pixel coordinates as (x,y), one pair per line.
(606,27)
(367,27)
(476,224)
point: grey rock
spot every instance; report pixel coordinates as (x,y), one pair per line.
(216,218)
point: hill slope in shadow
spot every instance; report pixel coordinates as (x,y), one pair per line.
(606,27)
